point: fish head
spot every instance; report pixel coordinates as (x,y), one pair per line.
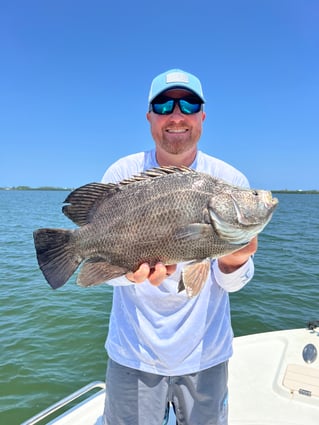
(239,214)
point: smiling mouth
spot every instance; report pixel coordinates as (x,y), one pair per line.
(177,130)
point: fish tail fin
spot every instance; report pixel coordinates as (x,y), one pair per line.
(56,255)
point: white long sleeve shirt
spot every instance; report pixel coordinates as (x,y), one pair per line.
(157,329)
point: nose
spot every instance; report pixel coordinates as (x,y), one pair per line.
(177,113)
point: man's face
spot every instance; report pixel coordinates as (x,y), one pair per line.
(176,133)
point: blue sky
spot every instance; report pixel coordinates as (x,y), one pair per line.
(75,77)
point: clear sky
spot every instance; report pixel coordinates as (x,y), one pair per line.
(75,75)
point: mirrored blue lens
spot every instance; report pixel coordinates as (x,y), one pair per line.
(167,107)
(163,108)
(189,108)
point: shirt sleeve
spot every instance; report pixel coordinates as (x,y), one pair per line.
(232,282)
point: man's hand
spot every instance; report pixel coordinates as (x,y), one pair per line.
(155,275)
(230,263)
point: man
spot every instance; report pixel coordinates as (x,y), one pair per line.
(164,347)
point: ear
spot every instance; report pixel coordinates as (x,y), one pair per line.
(148,116)
(203,116)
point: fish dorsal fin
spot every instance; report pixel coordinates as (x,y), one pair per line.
(83,202)
(156,172)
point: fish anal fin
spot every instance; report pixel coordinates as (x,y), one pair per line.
(194,276)
(97,271)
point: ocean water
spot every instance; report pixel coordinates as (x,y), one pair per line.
(52,342)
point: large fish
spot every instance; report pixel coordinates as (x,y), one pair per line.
(167,214)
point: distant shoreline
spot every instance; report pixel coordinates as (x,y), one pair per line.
(69,189)
(15,188)
(298,192)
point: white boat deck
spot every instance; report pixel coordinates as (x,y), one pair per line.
(264,386)
(270,383)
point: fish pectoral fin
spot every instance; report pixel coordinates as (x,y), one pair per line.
(96,271)
(231,233)
(194,231)
(194,276)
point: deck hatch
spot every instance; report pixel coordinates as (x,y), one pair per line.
(302,379)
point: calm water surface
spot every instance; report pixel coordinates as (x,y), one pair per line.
(53,341)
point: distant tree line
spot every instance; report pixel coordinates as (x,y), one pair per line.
(298,192)
(301,192)
(36,188)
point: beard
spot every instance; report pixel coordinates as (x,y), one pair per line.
(177,146)
(176,137)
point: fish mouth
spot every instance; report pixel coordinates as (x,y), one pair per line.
(274,203)
(269,204)
(247,226)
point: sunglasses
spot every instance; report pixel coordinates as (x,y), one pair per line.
(165,106)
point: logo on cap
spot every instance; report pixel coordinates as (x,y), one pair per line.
(177,77)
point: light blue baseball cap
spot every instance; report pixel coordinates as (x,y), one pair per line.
(175,78)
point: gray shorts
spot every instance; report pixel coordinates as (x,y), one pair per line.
(134,397)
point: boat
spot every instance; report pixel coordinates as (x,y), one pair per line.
(273,380)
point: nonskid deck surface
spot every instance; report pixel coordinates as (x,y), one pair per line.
(271,383)
(273,379)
